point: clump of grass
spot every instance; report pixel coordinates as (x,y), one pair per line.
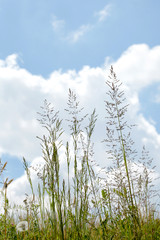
(83,205)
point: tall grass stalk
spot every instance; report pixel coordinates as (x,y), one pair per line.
(50,146)
(116,135)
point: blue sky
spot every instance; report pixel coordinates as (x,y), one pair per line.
(27,29)
(49,46)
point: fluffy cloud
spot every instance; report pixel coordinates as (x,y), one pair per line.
(138,66)
(22,93)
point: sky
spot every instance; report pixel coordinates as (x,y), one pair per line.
(47,47)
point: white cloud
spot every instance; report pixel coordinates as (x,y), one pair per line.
(70,36)
(57,24)
(138,66)
(22,93)
(104,13)
(77,34)
(151,136)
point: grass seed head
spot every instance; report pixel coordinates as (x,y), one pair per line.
(22,226)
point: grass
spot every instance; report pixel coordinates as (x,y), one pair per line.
(84,205)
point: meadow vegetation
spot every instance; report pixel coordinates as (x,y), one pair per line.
(85,204)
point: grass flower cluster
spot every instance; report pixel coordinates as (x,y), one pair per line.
(85,205)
